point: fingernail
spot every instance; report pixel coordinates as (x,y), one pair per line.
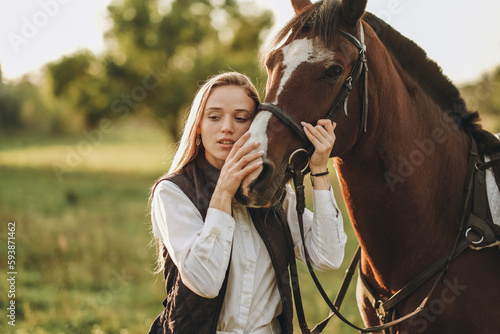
(302,123)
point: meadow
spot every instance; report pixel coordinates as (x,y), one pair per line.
(84,261)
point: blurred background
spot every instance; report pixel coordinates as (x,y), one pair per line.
(92,101)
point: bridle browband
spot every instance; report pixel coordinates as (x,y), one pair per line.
(360,69)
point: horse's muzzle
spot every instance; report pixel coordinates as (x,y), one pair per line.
(258,189)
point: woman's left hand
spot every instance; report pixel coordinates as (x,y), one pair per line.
(322,136)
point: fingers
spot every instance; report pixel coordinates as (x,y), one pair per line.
(244,157)
(238,144)
(242,160)
(254,158)
(322,135)
(323,128)
(252,166)
(327,124)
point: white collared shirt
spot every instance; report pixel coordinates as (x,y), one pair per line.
(201,251)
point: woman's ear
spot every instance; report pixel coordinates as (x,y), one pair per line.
(352,10)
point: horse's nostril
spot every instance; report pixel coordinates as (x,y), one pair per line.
(258,190)
(267,171)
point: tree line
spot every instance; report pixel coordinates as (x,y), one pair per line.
(157,53)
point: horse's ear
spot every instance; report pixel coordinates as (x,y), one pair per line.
(300,5)
(352,10)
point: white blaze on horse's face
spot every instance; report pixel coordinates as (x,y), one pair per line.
(294,54)
(298,52)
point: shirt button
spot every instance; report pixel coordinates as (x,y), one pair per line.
(247,301)
(251,266)
(246,232)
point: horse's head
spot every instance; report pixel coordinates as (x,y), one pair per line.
(316,60)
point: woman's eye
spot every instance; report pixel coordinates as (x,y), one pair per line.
(241,119)
(333,72)
(213,118)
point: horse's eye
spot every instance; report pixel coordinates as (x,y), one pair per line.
(333,72)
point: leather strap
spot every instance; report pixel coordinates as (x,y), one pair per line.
(479,225)
(299,308)
(342,291)
(287,120)
(489,164)
(353,77)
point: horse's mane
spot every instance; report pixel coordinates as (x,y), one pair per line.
(321,20)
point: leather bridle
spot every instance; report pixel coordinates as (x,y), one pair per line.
(359,70)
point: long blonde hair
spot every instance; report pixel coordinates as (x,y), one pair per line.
(187,149)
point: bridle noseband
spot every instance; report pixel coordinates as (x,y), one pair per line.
(359,69)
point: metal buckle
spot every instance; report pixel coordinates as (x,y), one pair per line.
(379,308)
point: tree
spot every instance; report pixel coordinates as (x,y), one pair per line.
(22,107)
(82,84)
(10,108)
(157,53)
(163,48)
(484,96)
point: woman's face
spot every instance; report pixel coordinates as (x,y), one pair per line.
(227,116)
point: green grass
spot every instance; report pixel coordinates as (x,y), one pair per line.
(83,254)
(81,262)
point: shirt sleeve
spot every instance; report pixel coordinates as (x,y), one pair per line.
(200,249)
(324,229)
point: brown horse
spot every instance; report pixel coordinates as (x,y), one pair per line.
(402,171)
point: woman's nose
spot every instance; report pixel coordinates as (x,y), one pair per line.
(227,125)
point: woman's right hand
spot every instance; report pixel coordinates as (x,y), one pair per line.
(239,163)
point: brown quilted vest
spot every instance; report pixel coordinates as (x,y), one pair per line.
(187,312)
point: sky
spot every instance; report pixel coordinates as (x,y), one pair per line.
(462,36)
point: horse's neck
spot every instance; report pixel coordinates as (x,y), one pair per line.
(403,183)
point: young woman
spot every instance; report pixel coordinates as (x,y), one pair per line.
(225,265)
